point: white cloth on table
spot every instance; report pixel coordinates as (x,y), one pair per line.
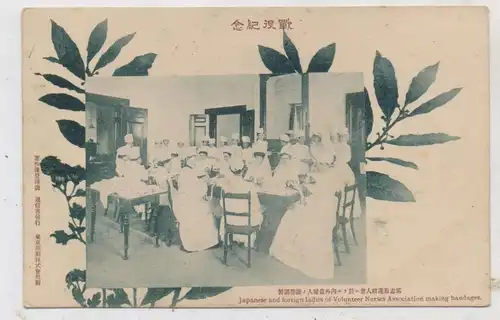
(303,240)
(197,229)
(125,187)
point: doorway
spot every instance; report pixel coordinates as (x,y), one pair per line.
(225,121)
(227,125)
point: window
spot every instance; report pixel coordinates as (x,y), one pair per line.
(297,117)
(197,128)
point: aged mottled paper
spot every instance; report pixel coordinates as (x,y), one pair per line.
(424,234)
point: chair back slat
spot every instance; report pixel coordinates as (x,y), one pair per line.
(237,196)
(236,214)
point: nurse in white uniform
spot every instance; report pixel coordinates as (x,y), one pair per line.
(129,167)
(246,150)
(235,140)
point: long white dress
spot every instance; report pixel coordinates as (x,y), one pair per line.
(196,226)
(129,168)
(304,238)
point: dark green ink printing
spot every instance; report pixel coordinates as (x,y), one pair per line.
(66,178)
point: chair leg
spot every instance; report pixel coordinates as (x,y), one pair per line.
(226,247)
(336,245)
(249,251)
(351,222)
(344,235)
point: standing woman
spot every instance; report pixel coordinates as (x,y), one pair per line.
(246,150)
(129,166)
(262,144)
(235,145)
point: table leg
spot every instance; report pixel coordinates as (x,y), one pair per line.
(126,230)
(156,213)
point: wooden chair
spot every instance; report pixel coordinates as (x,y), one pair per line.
(348,207)
(92,196)
(335,237)
(231,230)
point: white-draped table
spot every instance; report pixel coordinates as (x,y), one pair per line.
(127,198)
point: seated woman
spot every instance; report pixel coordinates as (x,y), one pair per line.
(303,240)
(237,184)
(196,228)
(259,172)
(287,170)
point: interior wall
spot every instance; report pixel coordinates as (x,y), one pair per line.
(281,92)
(170,100)
(327,99)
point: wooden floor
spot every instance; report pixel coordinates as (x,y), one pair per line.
(149,266)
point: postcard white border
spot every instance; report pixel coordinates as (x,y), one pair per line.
(10,171)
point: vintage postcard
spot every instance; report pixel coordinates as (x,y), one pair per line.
(256,157)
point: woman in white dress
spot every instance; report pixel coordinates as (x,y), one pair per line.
(235,183)
(130,169)
(342,167)
(304,238)
(196,227)
(246,150)
(262,144)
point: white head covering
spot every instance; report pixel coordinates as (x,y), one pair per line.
(245,139)
(223,139)
(211,141)
(227,150)
(289,132)
(129,138)
(174,151)
(202,149)
(236,164)
(260,130)
(235,136)
(285,138)
(316,133)
(205,138)
(259,148)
